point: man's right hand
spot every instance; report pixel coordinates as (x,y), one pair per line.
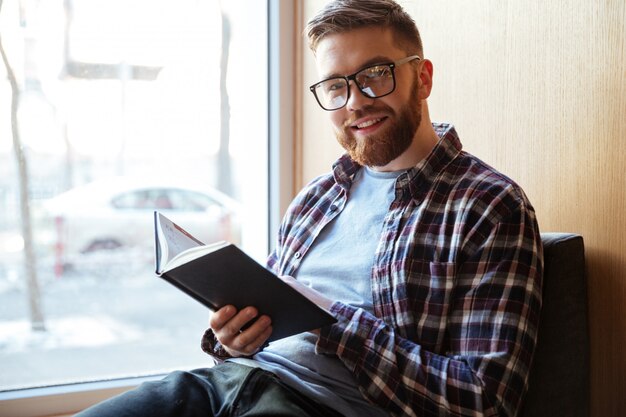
(227,324)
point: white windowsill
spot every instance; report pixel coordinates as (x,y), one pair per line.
(63,399)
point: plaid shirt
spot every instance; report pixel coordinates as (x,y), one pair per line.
(456,286)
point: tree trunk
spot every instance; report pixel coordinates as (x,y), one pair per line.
(223,163)
(34,296)
(68,167)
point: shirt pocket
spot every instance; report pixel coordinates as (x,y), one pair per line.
(433,321)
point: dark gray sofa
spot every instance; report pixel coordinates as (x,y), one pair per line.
(559,377)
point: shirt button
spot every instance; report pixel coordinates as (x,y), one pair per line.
(333,208)
(297,255)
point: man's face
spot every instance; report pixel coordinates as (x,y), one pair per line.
(376,131)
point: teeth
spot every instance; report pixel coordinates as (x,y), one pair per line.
(368,123)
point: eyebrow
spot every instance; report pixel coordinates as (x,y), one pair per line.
(380,59)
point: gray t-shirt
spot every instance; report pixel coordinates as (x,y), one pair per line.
(339,266)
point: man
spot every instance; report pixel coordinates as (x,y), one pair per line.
(430,260)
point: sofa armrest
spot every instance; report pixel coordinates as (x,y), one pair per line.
(559,376)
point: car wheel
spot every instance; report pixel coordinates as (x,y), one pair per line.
(102,244)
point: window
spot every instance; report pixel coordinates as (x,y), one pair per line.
(123,107)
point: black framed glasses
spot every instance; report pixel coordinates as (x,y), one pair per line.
(374,81)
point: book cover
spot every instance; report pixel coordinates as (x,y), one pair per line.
(221,274)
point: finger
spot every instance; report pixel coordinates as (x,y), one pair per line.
(257,344)
(253,339)
(220,317)
(233,327)
(244,338)
(257,333)
(260,341)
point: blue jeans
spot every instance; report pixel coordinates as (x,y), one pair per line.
(228,389)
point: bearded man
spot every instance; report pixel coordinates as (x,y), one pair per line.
(429,259)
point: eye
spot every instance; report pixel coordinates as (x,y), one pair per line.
(378,71)
(334,85)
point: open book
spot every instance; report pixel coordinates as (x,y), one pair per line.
(220,274)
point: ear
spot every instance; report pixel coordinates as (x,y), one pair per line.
(425,74)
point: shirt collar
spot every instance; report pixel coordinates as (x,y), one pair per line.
(446,149)
(344,169)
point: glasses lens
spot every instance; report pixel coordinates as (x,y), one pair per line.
(376,81)
(332,94)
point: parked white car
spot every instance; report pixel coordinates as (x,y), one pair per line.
(118,213)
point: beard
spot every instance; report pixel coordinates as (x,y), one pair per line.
(380,149)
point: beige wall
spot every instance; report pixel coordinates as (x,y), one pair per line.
(538,90)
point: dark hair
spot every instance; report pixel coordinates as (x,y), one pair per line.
(340,16)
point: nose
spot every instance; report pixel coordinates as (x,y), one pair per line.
(357,99)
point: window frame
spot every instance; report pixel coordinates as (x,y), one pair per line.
(62,400)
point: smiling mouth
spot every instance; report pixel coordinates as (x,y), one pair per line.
(368,123)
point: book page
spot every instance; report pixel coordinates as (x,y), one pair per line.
(193,253)
(176,238)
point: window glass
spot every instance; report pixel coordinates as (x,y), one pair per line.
(108,111)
